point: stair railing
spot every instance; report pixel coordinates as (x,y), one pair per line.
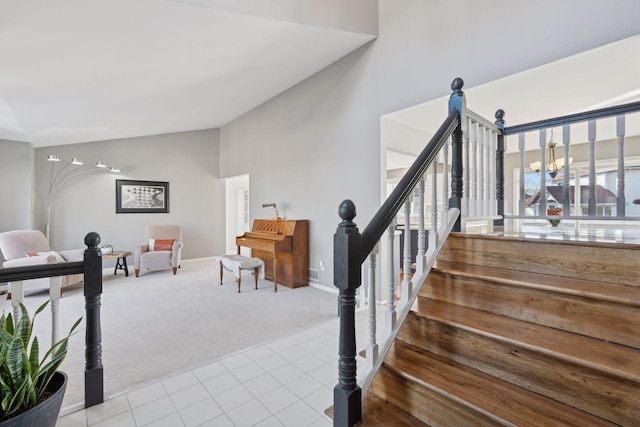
(480,153)
(578,201)
(91,267)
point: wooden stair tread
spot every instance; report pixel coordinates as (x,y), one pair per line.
(377,412)
(618,360)
(499,400)
(621,294)
(529,239)
(604,262)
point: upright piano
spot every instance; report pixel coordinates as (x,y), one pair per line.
(283,245)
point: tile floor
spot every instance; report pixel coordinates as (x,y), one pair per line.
(287,382)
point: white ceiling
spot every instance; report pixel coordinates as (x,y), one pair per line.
(598,78)
(77,71)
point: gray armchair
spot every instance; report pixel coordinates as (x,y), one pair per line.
(163,249)
(30,247)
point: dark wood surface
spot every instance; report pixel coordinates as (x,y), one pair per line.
(283,243)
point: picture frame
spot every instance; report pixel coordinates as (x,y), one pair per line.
(142,196)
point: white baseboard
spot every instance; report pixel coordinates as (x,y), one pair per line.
(332,290)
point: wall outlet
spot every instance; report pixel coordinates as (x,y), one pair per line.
(321,265)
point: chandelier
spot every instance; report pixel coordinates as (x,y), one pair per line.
(554,165)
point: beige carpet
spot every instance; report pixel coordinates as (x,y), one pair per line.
(160,324)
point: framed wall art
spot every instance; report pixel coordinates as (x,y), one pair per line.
(142,196)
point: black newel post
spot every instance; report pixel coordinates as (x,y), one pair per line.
(457,102)
(93,373)
(347,244)
(500,169)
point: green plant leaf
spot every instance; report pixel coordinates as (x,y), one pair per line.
(13,359)
(23,376)
(34,360)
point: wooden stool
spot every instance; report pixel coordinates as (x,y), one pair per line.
(237,263)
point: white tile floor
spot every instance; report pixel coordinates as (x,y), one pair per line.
(288,382)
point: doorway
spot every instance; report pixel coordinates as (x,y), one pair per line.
(237,211)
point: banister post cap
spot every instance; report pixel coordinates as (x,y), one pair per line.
(92,239)
(456,85)
(500,115)
(347,211)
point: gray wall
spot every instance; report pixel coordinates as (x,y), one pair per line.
(319,142)
(189,161)
(16,177)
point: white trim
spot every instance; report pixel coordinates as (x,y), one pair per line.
(332,290)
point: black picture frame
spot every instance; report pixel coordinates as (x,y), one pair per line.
(142,196)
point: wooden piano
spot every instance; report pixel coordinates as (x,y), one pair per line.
(283,245)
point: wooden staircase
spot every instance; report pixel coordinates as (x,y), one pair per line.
(517,332)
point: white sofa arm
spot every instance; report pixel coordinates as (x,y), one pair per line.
(32,260)
(72,255)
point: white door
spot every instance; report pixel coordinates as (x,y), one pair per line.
(237,211)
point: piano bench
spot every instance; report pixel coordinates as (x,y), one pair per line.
(237,263)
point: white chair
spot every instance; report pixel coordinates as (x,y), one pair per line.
(163,249)
(22,248)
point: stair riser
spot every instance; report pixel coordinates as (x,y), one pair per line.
(428,405)
(600,263)
(605,320)
(595,392)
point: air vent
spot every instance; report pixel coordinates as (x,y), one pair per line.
(314,275)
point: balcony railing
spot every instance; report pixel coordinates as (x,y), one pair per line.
(91,268)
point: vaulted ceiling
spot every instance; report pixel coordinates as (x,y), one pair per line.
(77,71)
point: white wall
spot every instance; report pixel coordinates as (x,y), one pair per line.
(189,161)
(16,191)
(319,142)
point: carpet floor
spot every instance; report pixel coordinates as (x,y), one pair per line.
(159,324)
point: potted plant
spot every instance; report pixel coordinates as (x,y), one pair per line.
(106,249)
(554,211)
(31,389)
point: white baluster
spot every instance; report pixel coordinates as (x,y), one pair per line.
(55,284)
(620,199)
(592,167)
(566,197)
(17,296)
(372,347)
(391,279)
(543,171)
(465,176)
(521,208)
(473,197)
(493,203)
(433,232)
(486,198)
(481,142)
(407,285)
(420,256)
(445,182)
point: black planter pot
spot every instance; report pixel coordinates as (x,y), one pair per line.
(46,413)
